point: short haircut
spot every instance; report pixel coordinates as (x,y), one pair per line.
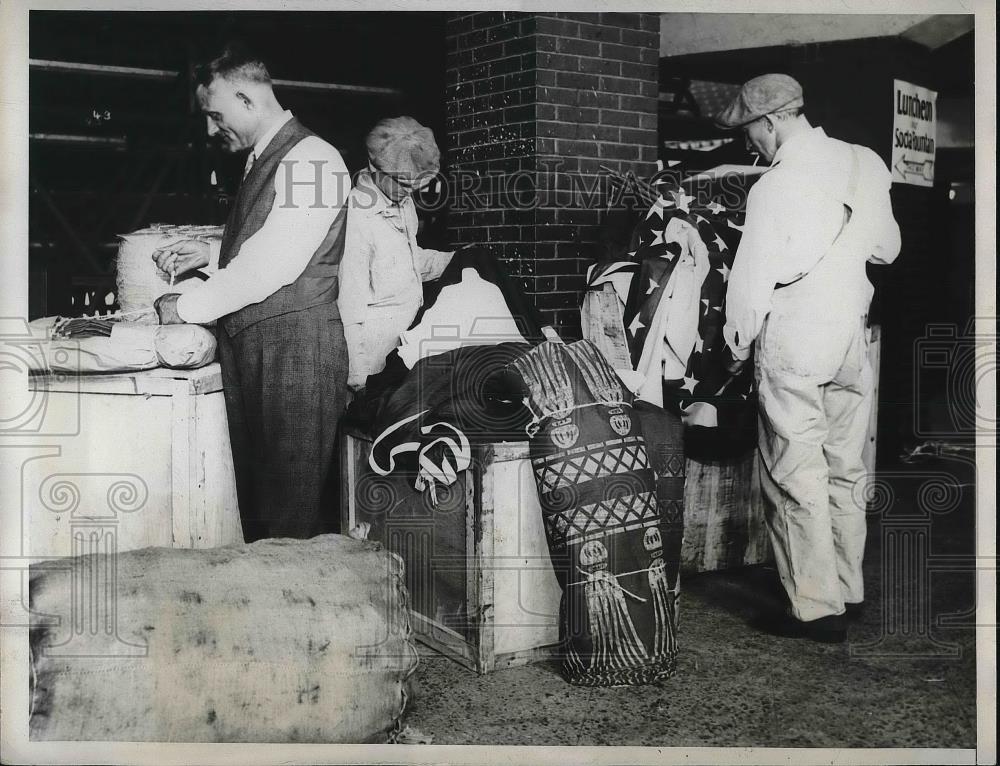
(787,114)
(403,145)
(234,62)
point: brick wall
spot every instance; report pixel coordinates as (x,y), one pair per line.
(536,103)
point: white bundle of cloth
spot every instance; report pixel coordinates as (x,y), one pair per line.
(130,347)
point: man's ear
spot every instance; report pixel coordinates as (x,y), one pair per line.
(770,120)
(243,98)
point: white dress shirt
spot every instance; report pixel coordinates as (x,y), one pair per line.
(278,253)
(820,192)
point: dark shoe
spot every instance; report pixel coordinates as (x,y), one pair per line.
(825,630)
(854,611)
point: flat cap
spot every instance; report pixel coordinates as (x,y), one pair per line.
(759,96)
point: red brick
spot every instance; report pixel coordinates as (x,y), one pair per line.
(557,61)
(519,45)
(556,266)
(587,18)
(624,20)
(644,137)
(597,98)
(545,250)
(646,72)
(620,85)
(600,33)
(639,104)
(621,52)
(545,76)
(487,52)
(620,151)
(519,114)
(549,95)
(555,300)
(555,233)
(545,111)
(615,117)
(575,114)
(546,43)
(600,66)
(578,47)
(576,148)
(642,39)
(598,132)
(556,25)
(584,217)
(578,80)
(574,283)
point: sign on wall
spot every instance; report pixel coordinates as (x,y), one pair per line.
(914,130)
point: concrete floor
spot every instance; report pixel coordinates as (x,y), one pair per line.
(736,686)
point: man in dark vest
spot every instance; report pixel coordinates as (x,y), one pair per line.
(273,293)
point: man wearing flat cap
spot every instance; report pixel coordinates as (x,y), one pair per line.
(799,292)
(384,268)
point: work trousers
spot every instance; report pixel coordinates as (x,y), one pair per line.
(815,387)
(285,383)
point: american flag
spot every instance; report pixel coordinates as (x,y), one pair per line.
(718,409)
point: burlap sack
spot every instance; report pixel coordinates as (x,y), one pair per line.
(277,641)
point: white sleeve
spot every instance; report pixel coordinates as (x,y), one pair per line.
(311,186)
(751,282)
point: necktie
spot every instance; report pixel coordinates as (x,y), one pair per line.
(250,160)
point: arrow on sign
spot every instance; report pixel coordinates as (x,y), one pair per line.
(915,167)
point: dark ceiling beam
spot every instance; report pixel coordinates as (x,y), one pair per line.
(73,67)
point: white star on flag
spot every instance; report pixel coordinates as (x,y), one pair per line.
(682,199)
(636,325)
(717,308)
(656,209)
(732,225)
(652,285)
(720,243)
(699,345)
(689,383)
(700,219)
(705,301)
(631,255)
(657,239)
(715,208)
(744,396)
(725,272)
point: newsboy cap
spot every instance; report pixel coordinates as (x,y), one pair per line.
(403,145)
(759,96)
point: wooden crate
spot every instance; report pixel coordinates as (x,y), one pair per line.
(140,459)
(482,588)
(481,582)
(724,523)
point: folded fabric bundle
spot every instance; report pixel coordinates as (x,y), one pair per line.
(109,346)
(614,547)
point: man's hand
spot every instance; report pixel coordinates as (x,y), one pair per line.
(166,309)
(182,256)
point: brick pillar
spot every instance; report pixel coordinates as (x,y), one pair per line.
(535,104)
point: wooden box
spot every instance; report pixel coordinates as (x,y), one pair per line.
(482,588)
(134,460)
(481,583)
